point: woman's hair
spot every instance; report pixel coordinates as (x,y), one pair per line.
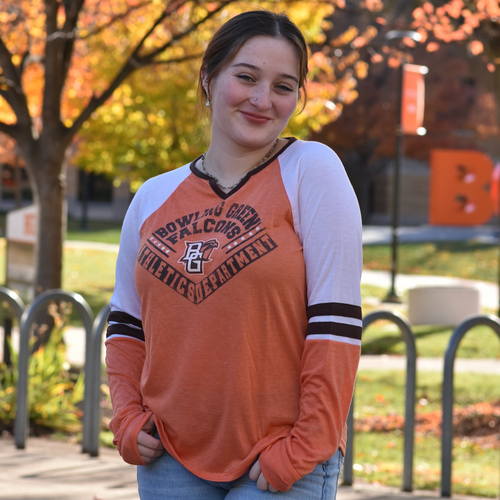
(230,37)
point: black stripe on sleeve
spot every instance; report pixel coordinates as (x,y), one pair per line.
(121,317)
(338,329)
(334,309)
(124,331)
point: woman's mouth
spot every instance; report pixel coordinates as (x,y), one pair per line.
(254,118)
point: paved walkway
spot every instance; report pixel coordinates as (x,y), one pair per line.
(52,470)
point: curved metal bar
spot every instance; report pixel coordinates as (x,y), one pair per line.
(100,323)
(17,305)
(21,424)
(14,301)
(411,376)
(448,374)
(347,479)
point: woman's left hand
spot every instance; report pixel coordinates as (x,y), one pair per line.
(262,483)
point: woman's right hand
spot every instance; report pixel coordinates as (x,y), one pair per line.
(148,446)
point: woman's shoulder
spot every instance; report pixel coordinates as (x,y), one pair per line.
(156,190)
(159,182)
(307,155)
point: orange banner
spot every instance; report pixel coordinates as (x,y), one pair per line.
(412,99)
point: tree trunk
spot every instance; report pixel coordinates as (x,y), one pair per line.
(48,184)
(17,181)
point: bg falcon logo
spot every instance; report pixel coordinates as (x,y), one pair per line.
(196,254)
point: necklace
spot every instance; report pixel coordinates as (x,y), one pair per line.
(229,188)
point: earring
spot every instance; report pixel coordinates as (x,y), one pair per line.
(207,104)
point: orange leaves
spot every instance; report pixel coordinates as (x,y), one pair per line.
(454,8)
(419,14)
(428,8)
(372,5)
(432,46)
(475,47)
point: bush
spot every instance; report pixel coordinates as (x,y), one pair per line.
(54,392)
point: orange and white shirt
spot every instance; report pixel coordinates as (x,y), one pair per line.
(236,317)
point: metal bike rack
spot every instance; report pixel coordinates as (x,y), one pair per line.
(448,374)
(98,327)
(21,424)
(16,304)
(411,375)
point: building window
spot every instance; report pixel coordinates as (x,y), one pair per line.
(94,187)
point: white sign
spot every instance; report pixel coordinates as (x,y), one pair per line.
(21,225)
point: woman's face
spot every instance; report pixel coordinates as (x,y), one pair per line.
(253,97)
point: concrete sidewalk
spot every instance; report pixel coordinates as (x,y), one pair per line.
(53,470)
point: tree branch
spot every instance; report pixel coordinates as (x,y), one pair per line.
(10,130)
(14,95)
(167,12)
(135,61)
(116,18)
(58,53)
(176,60)
(148,59)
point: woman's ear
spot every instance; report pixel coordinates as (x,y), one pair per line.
(204,80)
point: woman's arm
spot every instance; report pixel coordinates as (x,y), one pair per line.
(328,222)
(125,352)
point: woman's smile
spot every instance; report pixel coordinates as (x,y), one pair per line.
(255,118)
(255,95)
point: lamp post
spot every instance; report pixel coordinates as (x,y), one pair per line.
(392,295)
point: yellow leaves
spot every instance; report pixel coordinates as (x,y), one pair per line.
(346,37)
(361,69)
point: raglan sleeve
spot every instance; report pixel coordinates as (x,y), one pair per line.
(125,346)
(328,222)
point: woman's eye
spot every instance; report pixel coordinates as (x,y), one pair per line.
(285,88)
(245,77)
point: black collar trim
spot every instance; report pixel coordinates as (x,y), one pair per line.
(222,194)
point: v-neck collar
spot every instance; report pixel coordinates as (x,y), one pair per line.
(222,194)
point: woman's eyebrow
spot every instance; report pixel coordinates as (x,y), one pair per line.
(251,66)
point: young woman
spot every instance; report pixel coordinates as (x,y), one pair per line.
(235,330)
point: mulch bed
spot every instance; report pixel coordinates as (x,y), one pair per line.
(480,423)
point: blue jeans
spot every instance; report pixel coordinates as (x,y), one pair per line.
(167,479)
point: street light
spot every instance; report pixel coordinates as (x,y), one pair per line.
(392,295)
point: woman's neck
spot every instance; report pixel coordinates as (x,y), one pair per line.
(229,165)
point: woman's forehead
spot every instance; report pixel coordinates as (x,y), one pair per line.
(266,50)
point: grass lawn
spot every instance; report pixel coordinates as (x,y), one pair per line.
(383,337)
(91,273)
(378,457)
(460,259)
(101,231)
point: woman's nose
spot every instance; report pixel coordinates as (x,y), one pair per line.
(261,99)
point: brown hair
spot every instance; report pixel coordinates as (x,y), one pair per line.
(231,36)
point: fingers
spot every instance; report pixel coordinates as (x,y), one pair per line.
(256,475)
(149,425)
(149,447)
(262,483)
(255,471)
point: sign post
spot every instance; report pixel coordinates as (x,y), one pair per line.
(21,241)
